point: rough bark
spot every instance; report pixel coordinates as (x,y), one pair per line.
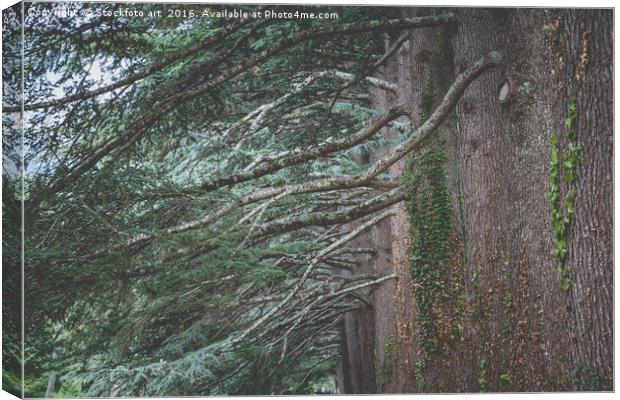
(504,156)
(417,68)
(503,153)
(584,74)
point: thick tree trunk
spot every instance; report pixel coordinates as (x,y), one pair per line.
(423,71)
(515,301)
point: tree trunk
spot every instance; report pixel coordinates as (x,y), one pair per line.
(516,304)
(584,76)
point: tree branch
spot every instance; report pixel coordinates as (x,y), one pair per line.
(268,165)
(331,218)
(312,264)
(422,133)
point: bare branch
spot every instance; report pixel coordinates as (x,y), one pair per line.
(331,218)
(312,264)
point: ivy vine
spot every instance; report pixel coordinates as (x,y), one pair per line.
(562,215)
(430,224)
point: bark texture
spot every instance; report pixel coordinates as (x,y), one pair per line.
(584,75)
(501,317)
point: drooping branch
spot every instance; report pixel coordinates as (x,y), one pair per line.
(347,182)
(253,120)
(399,42)
(376,82)
(331,218)
(397,24)
(334,294)
(267,165)
(422,133)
